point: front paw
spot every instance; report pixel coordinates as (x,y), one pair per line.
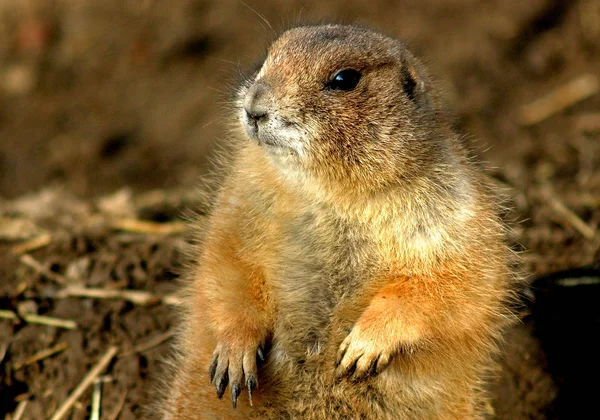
(361,354)
(231,364)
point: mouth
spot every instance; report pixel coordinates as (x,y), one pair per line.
(261,134)
(272,145)
(251,128)
(268,137)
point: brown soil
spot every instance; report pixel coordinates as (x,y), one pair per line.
(109,109)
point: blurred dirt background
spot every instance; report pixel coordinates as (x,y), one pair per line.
(108,110)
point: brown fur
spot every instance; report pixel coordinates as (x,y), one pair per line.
(373,220)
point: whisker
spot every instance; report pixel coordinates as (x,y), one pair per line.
(260,15)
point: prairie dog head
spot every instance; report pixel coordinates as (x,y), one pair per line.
(343,105)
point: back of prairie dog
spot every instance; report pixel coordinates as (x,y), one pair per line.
(352,246)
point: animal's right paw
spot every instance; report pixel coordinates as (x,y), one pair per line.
(231,364)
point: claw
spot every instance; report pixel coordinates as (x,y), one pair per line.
(222,384)
(228,368)
(236,390)
(340,356)
(251,384)
(359,375)
(372,371)
(213,367)
(346,371)
(352,369)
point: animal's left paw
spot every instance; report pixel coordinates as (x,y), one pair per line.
(362,354)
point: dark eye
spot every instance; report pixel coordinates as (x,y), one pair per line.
(344,80)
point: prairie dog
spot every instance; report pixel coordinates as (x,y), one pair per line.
(353,246)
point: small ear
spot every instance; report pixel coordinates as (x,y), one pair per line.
(415,83)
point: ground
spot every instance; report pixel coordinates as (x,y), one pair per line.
(108,111)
